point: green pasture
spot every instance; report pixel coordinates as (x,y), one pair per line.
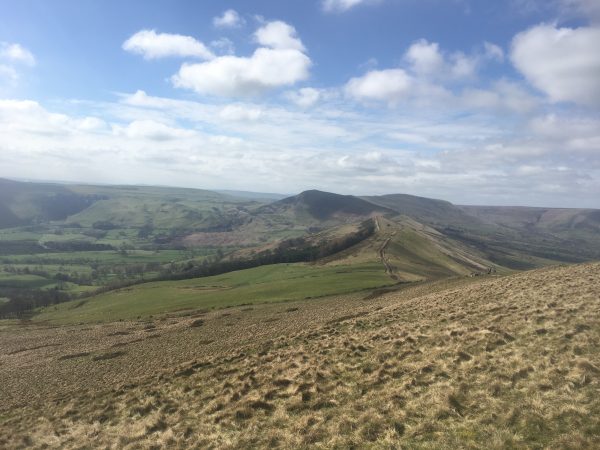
(273,283)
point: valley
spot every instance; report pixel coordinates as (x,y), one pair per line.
(142,317)
(61,242)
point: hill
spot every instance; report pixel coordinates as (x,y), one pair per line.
(411,251)
(483,362)
(317,207)
(515,237)
(257,196)
(26,203)
(548,219)
(438,213)
(61,241)
(377,254)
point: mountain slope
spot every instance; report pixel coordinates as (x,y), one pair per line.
(411,251)
(487,362)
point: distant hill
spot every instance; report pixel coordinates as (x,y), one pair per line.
(22,203)
(322,206)
(422,209)
(257,196)
(27,203)
(516,237)
(552,219)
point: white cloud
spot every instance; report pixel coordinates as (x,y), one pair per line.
(342,5)
(564,63)
(226,141)
(281,62)
(91,124)
(389,85)
(503,95)
(229,19)
(284,64)
(493,51)
(232,75)
(425,57)
(463,66)
(142,99)
(223,45)
(279,35)
(152,130)
(30,118)
(8,72)
(240,113)
(305,97)
(560,128)
(16,53)
(153,45)
(464,158)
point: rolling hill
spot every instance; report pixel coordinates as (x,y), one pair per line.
(26,203)
(377,254)
(145,216)
(544,219)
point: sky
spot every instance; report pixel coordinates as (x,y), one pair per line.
(471,101)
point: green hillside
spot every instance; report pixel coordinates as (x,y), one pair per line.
(274,283)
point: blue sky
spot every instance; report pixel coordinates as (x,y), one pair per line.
(492,102)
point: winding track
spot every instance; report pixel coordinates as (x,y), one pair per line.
(389,270)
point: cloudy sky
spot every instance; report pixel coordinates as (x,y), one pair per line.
(476,102)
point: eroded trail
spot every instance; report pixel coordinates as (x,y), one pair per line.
(389,269)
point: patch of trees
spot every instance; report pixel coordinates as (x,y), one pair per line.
(94,233)
(20,247)
(105,225)
(22,301)
(76,246)
(145,231)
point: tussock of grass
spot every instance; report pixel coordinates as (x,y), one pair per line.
(455,365)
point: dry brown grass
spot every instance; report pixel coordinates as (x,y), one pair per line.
(492,362)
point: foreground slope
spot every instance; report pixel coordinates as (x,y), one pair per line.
(484,362)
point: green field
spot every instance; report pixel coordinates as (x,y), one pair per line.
(274,283)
